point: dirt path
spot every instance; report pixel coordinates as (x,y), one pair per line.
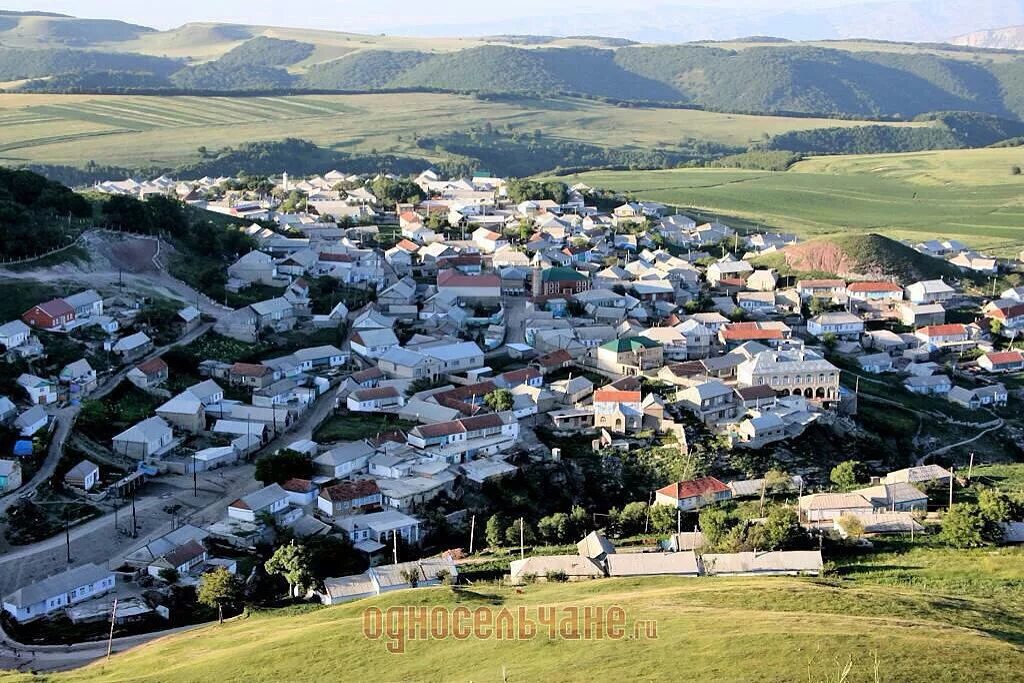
(130,261)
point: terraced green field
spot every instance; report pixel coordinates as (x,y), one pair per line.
(966,194)
(143,131)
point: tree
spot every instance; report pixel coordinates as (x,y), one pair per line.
(817,306)
(963,526)
(781,529)
(170,575)
(996,508)
(663,519)
(218,588)
(829,340)
(714,524)
(630,520)
(777,480)
(844,475)
(512,534)
(495,531)
(554,528)
(995,326)
(579,521)
(279,467)
(851,525)
(293,562)
(499,400)
(410,576)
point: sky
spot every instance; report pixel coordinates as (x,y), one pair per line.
(378,15)
(644,20)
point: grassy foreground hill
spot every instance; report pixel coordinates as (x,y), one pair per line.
(772,629)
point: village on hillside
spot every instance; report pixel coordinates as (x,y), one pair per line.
(480,378)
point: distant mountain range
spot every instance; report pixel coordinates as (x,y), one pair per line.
(655,21)
(1006,38)
(53,53)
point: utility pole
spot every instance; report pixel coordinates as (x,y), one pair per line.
(67,532)
(970,467)
(679,520)
(951,477)
(195,477)
(394,539)
(522,552)
(472,531)
(110,639)
(135,522)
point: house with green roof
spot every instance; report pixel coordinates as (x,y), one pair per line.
(558,282)
(630,355)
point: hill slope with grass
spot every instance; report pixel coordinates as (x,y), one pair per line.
(970,195)
(724,629)
(869,255)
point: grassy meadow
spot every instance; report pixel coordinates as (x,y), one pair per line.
(771,629)
(143,131)
(965,194)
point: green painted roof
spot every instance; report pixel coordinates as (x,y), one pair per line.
(630,344)
(561,274)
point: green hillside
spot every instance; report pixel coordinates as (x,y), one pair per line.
(18,63)
(852,79)
(923,616)
(950,130)
(971,195)
(364,70)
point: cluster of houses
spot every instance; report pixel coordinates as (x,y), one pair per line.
(615,323)
(42,393)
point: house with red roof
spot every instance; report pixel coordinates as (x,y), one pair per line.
(349,498)
(552,362)
(466,438)
(1009,315)
(148,374)
(944,336)
(769,333)
(1002,361)
(618,410)
(692,494)
(50,314)
(469,288)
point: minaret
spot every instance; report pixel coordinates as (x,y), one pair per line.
(284,181)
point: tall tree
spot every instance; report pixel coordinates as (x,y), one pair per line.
(293,562)
(844,475)
(218,588)
(963,526)
(499,400)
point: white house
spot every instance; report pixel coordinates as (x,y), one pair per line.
(929,292)
(14,334)
(40,391)
(375,399)
(150,438)
(374,343)
(269,499)
(840,324)
(58,592)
